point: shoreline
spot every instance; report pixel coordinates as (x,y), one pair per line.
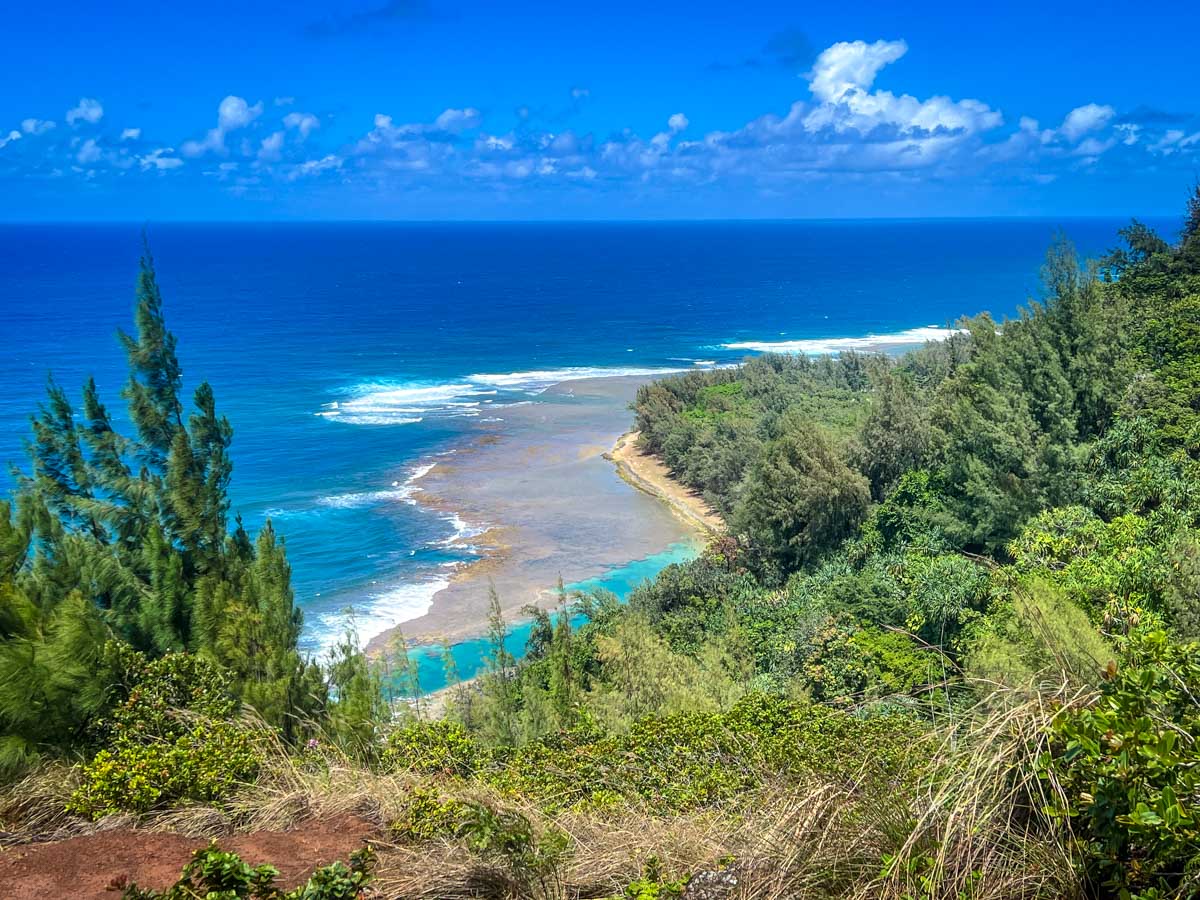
(558,491)
(646,472)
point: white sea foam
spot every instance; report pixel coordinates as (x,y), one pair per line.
(463,531)
(405,403)
(537,380)
(399,491)
(382,610)
(817,346)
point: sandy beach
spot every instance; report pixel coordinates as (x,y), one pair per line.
(647,473)
(553,488)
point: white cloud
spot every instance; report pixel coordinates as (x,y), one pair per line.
(131,134)
(1085,119)
(13,135)
(36,126)
(315,167)
(1174,140)
(87,110)
(271,145)
(840,80)
(232,113)
(284,101)
(235,112)
(1130,133)
(301,122)
(851,65)
(89,152)
(677,122)
(458,120)
(1093,147)
(157,159)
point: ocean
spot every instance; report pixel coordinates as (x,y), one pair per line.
(351,358)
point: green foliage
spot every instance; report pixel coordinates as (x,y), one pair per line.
(533,859)
(695,759)
(426,815)
(1115,570)
(127,537)
(499,703)
(358,707)
(215,873)
(801,500)
(171,740)
(439,747)
(1034,634)
(653,885)
(1128,767)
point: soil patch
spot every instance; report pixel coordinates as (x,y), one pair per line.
(83,867)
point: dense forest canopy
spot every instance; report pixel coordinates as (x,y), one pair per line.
(950,630)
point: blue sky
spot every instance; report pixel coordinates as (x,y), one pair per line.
(435,109)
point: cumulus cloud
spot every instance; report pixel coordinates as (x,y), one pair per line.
(131,134)
(36,126)
(1085,119)
(1174,140)
(304,123)
(89,153)
(87,110)
(851,66)
(232,113)
(235,112)
(268,151)
(13,135)
(314,167)
(677,122)
(159,160)
(456,121)
(841,78)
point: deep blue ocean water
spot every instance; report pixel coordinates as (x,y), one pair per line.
(348,355)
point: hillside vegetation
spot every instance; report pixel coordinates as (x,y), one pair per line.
(945,651)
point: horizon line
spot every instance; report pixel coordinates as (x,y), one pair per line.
(1074,217)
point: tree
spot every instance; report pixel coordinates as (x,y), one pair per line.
(894,439)
(990,453)
(498,707)
(800,499)
(127,537)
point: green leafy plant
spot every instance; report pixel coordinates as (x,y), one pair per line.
(171,740)
(441,747)
(1127,770)
(533,859)
(220,875)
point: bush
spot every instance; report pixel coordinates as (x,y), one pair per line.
(1128,766)
(696,759)
(442,747)
(171,740)
(427,815)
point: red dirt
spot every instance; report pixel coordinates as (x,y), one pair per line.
(82,867)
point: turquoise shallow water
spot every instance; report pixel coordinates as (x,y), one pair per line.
(469,656)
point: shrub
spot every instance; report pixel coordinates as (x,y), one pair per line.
(1128,766)
(170,740)
(427,815)
(533,860)
(695,759)
(442,747)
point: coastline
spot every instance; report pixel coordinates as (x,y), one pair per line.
(647,473)
(554,491)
